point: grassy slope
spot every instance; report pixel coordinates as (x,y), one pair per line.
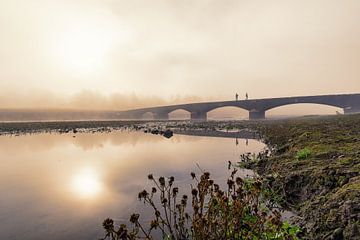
(323,187)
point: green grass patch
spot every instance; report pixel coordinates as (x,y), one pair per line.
(303,154)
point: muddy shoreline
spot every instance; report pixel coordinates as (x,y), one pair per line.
(323,185)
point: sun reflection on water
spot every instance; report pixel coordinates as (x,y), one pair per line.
(86,184)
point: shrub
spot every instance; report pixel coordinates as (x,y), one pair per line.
(243,211)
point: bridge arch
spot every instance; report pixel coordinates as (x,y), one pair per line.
(303,109)
(179,114)
(228,113)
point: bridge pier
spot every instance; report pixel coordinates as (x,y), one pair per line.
(198,116)
(256,114)
(161,116)
(352,109)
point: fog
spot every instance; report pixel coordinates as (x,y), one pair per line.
(114,55)
(87,100)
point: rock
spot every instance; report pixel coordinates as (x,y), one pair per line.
(155,131)
(337,234)
(168,133)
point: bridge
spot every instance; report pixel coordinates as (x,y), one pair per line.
(257,108)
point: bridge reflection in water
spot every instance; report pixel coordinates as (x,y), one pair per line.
(240,134)
(257,108)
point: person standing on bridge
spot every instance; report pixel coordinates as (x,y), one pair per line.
(237,96)
(246,96)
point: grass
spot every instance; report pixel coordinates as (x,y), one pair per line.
(303,154)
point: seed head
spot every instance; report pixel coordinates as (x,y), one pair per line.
(230,183)
(134,218)
(164,201)
(162,181)
(171,180)
(175,191)
(194,192)
(108,224)
(142,194)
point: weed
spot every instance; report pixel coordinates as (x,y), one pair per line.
(243,211)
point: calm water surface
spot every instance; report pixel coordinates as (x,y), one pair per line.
(56,186)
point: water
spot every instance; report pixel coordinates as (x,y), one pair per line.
(57,186)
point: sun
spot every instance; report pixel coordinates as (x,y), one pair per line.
(86,184)
(83,48)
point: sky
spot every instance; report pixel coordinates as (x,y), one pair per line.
(117,54)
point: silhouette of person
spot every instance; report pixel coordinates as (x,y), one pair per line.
(236,96)
(236,142)
(246,96)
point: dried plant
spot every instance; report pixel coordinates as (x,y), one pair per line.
(244,210)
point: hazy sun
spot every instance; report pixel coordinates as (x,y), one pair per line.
(83,44)
(86,184)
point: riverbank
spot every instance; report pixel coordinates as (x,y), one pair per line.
(315,164)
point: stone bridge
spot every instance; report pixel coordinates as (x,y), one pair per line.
(350,103)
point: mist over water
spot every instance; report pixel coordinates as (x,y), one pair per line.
(86,100)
